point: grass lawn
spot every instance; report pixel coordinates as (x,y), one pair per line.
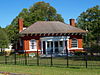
(58,61)
(40,70)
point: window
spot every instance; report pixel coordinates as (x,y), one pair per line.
(74,43)
(21,42)
(61,43)
(44,49)
(33,44)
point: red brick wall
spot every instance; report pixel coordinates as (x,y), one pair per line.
(20,24)
(70,41)
(79,38)
(26,45)
(80,44)
(27,40)
(38,44)
(72,22)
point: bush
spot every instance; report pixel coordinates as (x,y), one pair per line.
(95,48)
(2,53)
(80,53)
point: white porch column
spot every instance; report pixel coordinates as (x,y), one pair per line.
(58,46)
(53,47)
(42,46)
(64,46)
(68,43)
(46,47)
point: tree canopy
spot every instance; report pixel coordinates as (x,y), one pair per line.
(90,20)
(40,11)
(3,39)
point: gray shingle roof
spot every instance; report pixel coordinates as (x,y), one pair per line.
(51,27)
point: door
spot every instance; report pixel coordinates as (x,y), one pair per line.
(44,50)
(49,47)
(56,47)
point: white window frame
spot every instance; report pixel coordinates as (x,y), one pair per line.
(34,45)
(75,42)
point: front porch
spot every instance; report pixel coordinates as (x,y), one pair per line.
(55,44)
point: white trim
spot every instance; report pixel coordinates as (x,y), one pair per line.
(32,50)
(53,47)
(55,38)
(77,42)
(30,45)
(46,46)
(24,28)
(42,46)
(68,44)
(75,48)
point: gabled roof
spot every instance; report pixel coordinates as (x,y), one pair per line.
(51,27)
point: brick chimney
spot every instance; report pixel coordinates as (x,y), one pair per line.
(72,22)
(20,24)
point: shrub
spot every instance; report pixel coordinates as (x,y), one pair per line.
(80,53)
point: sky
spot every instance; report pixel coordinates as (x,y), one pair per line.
(9,9)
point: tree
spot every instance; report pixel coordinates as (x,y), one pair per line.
(3,39)
(40,11)
(90,20)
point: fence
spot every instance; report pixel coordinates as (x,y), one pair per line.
(52,59)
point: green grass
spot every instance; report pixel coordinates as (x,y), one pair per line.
(40,70)
(61,61)
(77,66)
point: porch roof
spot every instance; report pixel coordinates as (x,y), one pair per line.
(46,27)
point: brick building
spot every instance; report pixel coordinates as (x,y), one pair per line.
(46,36)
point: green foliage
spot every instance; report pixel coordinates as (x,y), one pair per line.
(80,53)
(12,31)
(3,39)
(40,11)
(95,48)
(90,20)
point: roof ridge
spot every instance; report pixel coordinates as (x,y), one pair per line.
(47,21)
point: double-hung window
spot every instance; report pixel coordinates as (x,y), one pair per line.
(74,43)
(32,44)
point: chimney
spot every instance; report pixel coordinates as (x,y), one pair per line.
(72,22)
(20,24)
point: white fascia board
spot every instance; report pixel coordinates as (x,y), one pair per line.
(55,38)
